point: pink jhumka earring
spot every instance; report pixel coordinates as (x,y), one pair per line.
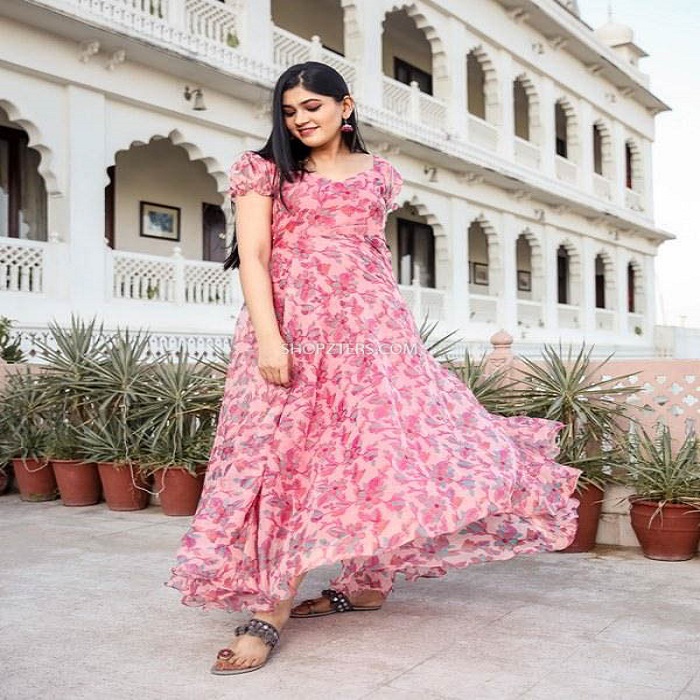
(346,128)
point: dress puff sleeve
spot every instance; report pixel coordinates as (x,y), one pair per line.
(394,182)
(251,173)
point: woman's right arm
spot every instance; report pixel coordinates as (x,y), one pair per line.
(254,235)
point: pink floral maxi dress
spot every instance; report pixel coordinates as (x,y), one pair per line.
(375,456)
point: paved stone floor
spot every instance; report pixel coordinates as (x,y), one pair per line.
(84,614)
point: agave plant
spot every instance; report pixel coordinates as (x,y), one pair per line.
(567,387)
(10,350)
(659,470)
(439,348)
(177,413)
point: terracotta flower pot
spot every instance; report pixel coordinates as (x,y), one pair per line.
(671,535)
(589,507)
(124,487)
(78,482)
(179,490)
(35,479)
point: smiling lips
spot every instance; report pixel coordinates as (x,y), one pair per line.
(307,131)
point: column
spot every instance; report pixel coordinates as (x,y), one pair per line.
(363,46)
(457,62)
(507,307)
(506,127)
(255,30)
(584,160)
(622,324)
(547,135)
(649,297)
(85,210)
(588,286)
(551,289)
(618,150)
(459,216)
(647,193)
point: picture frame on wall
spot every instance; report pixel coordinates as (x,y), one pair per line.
(524,281)
(480,274)
(159,221)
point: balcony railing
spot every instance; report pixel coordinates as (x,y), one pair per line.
(422,300)
(408,101)
(153,278)
(527,153)
(566,170)
(483,308)
(530,313)
(633,200)
(605,320)
(601,186)
(22,265)
(482,134)
(568,316)
(290,49)
(636,324)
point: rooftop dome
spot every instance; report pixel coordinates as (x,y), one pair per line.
(615,34)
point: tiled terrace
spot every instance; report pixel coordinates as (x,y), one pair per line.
(85,615)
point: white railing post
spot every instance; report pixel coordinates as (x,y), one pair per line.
(179,294)
(316,50)
(414,103)
(176,14)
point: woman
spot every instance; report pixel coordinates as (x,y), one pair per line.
(340,438)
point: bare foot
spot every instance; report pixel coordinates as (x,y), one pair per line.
(362,599)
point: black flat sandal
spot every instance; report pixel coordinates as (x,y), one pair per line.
(340,604)
(255,628)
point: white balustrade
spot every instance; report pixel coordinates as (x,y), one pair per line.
(568,316)
(482,134)
(483,308)
(290,49)
(142,277)
(566,170)
(527,153)
(409,103)
(530,313)
(432,111)
(22,265)
(633,200)
(605,320)
(636,324)
(213,20)
(601,186)
(422,300)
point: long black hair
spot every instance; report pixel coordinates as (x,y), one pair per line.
(287,152)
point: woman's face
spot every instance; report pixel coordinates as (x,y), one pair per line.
(314,119)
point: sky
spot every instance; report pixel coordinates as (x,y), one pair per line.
(669,31)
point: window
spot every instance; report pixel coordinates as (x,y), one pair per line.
(629,156)
(597,149)
(561,123)
(22,189)
(521,108)
(416,247)
(476,87)
(562,275)
(405,73)
(631,283)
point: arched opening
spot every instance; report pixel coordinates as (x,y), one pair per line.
(523,260)
(406,52)
(412,240)
(597,149)
(561,124)
(521,108)
(600,282)
(476,86)
(323,18)
(158,198)
(633,166)
(479,259)
(563,275)
(23,199)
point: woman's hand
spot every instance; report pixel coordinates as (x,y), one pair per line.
(274,361)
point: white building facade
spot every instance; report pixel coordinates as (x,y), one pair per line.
(523,135)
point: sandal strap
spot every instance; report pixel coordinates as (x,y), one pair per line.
(339,601)
(259,628)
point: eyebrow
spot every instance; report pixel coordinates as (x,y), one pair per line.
(308,99)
